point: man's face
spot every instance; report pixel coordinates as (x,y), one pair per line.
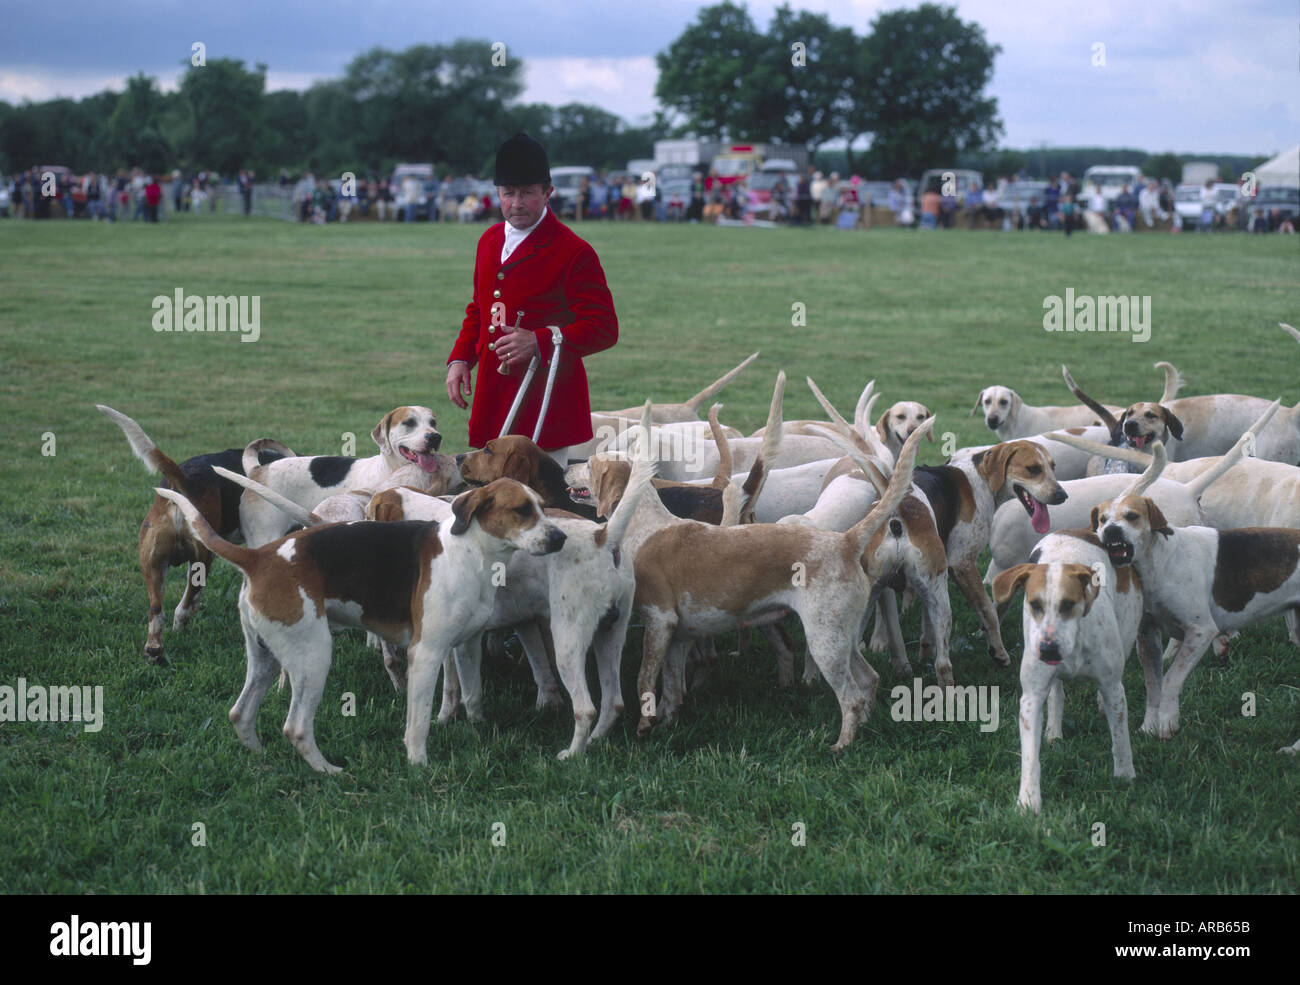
(522,205)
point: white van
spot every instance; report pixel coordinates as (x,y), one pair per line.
(567,181)
(1111,179)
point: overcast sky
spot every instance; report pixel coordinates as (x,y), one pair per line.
(1184,75)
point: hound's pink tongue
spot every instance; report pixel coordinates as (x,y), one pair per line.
(1039,519)
(427,462)
(1139,442)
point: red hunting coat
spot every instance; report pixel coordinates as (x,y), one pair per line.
(554,278)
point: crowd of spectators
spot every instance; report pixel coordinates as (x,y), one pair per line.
(810,198)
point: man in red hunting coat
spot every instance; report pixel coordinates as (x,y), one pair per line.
(530,272)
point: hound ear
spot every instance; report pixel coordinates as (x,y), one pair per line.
(380,434)
(1092,523)
(1008,582)
(883,431)
(1090,589)
(1173,423)
(466,507)
(1117,432)
(992,465)
(613,483)
(520,467)
(979,402)
(1157,519)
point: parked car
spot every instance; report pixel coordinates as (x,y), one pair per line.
(1226,198)
(675,194)
(567,182)
(963,179)
(762,204)
(1187,204)
(1111,179)
(1023,202)
(409,184)
(1275,198)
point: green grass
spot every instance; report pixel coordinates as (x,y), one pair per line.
(358,319)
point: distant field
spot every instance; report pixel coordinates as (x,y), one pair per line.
(358,319)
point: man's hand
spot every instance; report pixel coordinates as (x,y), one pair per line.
(458,383)
(516,347)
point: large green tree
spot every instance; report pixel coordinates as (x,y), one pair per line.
(704,73)
(133,134)
(226,121)
(921,80)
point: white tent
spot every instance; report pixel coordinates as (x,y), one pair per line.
(1282,170)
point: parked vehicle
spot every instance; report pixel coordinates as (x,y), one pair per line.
(1271,199)
(964,180)
(4,202)
(1111,179)
(1187,204)
(409,184)
(1226,198)
(762,203)
(1023,202)
(567,182)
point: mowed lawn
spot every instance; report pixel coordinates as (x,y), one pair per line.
(358,319)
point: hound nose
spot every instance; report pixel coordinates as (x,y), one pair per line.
(1058,497)
(555,540)
(460,459)
(1049,653)
(992,423)
(1131,428)
(435,441)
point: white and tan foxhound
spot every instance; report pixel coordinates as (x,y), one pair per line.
(426,586)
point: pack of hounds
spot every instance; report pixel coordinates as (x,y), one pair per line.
(1175,517)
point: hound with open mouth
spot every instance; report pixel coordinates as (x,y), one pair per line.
(407,434)
(1199,582)
(964,496)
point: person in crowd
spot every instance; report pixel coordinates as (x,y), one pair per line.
(991,209)
(947,209)
(780,199)
(246,189)
(900,203)
(1207,206)
(973,203)
(596,195)
(695,212)
(931,206)
(1097,206)
(1067,213)
(1125,209)
(152,198)
(829,199)
(627,199)
(803,198)
(467,211)
(1149,203)
(582,208)
(1052,204)
(383,200)
(645,199)
(94,197)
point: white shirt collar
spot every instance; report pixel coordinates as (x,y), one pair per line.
(516,236)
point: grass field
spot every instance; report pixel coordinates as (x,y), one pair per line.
(358,319)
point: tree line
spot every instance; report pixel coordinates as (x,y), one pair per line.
(914,87)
